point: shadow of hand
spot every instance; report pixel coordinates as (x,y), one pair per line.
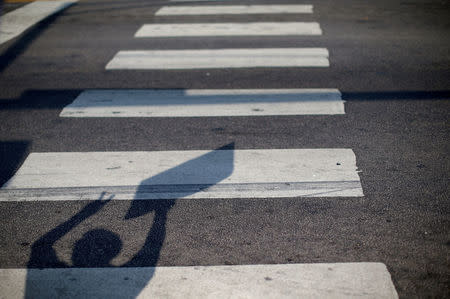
(93,207)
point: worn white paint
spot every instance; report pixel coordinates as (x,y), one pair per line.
(16,22)
(186,174)
(342,280)
(234,9)
(229,29)
(204,103)
(221,58)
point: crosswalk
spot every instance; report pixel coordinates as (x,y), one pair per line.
(222,173)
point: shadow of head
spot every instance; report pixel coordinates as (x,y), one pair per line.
(96,248)
(190,177)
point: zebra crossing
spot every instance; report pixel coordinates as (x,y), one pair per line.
(224,58)
(221,173)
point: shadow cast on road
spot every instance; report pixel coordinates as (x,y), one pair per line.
(98,247)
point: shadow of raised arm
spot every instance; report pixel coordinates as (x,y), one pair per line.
(188,178)
(42,253)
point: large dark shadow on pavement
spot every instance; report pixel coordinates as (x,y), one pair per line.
(40,99)
(12,155)
(98,247)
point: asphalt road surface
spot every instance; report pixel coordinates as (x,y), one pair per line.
(389,59)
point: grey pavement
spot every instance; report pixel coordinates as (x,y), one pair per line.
(391,61)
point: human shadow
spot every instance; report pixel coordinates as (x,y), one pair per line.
(98,247)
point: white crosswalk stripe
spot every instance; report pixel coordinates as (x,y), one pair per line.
(221,58)
(234,9)
(187,174)
(229,29)
(361,280)
(204,102)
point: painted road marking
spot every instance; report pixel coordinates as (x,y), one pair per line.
(186,174)
(229,29)
(234,9)
(221,58)
(204,103)
(16,22)
(340,280)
